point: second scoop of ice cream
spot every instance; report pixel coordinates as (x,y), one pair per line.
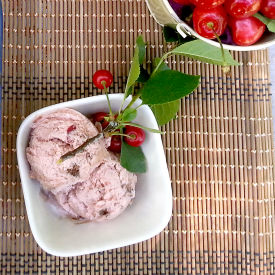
(91,185)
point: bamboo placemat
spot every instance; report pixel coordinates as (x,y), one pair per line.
(219,149)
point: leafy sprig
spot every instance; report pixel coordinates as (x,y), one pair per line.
(161,89)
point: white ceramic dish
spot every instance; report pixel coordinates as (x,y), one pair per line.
(165,15)
(146,217)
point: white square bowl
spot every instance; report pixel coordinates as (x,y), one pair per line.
(146,217)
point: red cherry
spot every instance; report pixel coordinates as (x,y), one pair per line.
(207,4)
(205,21)
(246,31)
(268,8)
(100,117)
(137,136)
(115,145)
(100,76)
(242,8)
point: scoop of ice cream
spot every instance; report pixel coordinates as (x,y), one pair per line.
(52,136)
(105,195)
(92,184)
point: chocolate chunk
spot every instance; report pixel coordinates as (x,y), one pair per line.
(103,212)
(74,171)
(129,188)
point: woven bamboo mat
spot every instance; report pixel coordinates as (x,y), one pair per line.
(219,149)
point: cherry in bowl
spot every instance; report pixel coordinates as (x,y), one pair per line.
(246,31)
(210,23)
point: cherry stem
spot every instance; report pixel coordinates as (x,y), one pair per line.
(119,134)
(141,104)
(142,127)
(160,62)
(80,148)
(122,103)
(108,100)
(211,26)
(134,98)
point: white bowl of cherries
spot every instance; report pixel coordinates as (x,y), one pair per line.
(241,25)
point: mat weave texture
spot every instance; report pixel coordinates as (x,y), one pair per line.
(219,149)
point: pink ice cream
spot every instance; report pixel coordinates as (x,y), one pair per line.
(92,185)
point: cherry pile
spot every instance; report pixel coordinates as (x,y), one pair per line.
(231,20)
(132,135)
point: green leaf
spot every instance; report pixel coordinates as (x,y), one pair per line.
(267,21)
(165,112)
(170,34)
(132,158)
(167,86)
(142,50)
(262,18)
(129,114)
(143,76)
(162,67)
(204,52)
(271,26)
(188,38)
(133,74)
(135,67)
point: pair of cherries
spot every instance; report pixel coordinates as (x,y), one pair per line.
(133,136)
(211,18)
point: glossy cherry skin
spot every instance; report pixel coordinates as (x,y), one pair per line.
(137,136)
(102,76)
(207,4)
(268,8)
(100,117)
(115,145)
(246,31)
(242,8)
(203,18)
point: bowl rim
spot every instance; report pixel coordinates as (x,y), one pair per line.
(184,29)
(22,171)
